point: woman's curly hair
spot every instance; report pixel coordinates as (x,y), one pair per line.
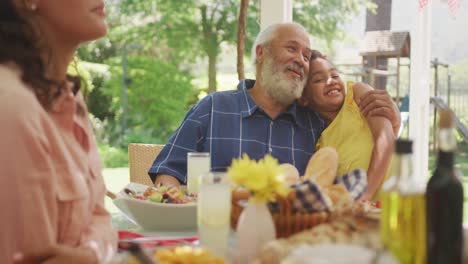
(19,44)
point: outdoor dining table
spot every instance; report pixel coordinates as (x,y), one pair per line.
(121,223)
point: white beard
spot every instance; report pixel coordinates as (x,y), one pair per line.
(277,85)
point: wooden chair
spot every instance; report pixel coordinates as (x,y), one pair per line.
(140,159)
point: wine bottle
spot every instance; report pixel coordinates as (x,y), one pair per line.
(444,200)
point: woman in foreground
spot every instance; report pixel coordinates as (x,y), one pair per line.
(51,187)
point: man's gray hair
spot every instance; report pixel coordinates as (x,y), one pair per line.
(265,37)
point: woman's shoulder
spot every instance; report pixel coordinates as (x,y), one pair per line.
(17,101)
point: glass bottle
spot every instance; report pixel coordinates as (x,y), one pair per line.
(389,215)
(402,227)
(445,200)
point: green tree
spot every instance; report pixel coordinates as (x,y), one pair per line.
(324,19)
(459,92)
(174,36)
(157,99)
(184,30)
(459,76)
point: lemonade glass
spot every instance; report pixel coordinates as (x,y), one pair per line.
(198,163)
(213,212)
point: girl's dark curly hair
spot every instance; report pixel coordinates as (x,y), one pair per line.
(19,44)
(316,54)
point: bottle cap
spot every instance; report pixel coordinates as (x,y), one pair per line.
(446,119)
(404,146)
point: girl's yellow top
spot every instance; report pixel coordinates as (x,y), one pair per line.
(350,134)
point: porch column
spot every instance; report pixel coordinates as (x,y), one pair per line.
(275,11)
(420,93)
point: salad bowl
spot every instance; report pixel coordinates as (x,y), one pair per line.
(155,216)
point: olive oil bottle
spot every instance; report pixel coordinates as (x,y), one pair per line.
(390,192)
(402,227)
(412,231)
(444,200)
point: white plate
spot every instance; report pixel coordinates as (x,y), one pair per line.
(153,216)
(335,254)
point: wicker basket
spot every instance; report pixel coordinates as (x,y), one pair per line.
(287,222)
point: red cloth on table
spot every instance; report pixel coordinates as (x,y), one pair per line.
(151,241)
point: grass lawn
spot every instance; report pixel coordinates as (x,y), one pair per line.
(465,203)
(462,159)
(462,165)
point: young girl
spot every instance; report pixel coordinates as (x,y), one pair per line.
(51,189)
(361,142)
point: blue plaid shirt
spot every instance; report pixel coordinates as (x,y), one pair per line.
(229,123)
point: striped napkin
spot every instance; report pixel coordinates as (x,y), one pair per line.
(310,197)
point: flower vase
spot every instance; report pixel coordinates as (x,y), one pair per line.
(254,228)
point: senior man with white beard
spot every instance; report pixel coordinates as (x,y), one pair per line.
(259,117)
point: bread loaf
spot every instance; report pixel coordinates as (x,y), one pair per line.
(322,167)
(291,173)
(338,194)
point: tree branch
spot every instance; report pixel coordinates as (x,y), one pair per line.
(241,24)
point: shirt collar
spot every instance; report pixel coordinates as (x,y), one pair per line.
(249,107)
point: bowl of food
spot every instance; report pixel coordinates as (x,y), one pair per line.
(158,208)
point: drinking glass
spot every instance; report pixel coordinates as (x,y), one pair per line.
(214,211)
(197,164)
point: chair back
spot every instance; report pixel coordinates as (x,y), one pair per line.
(140,159)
